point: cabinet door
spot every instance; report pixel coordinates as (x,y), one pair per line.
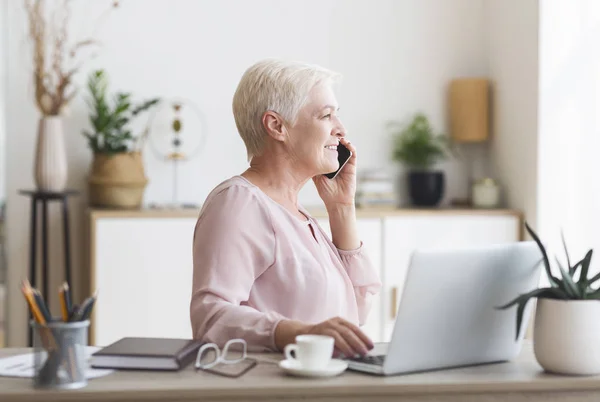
(404,234)
(143,271)
(369,231)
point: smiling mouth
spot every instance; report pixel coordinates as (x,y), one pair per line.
(331,147)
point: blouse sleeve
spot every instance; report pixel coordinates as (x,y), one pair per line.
(363,276)
(234,243)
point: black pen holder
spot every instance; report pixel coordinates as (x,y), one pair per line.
(60,360)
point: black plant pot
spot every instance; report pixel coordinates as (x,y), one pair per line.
(426,188)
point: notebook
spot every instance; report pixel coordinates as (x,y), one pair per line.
(146,354)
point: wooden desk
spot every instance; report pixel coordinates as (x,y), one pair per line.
(521,380)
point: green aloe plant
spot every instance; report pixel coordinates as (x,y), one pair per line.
(565,287)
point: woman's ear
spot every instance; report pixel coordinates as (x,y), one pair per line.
(274,124)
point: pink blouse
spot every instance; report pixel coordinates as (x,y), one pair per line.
(255,264)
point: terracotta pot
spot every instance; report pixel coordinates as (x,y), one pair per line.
(50,155)
(117,181)
(566,336)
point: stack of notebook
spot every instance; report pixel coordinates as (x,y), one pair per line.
(146,354)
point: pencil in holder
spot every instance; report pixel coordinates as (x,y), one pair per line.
(59,354)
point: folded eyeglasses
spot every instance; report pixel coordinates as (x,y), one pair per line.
(233,361)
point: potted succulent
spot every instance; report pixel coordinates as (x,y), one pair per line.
(419,148)
(117,177)
(566,335)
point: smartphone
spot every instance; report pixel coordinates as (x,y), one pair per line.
(344,155)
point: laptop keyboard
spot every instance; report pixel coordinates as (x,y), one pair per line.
(376,360)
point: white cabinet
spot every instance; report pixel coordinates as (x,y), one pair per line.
(369,230)
(141,263)
(142,268)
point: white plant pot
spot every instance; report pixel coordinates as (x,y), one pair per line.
(50,155)
(566,336)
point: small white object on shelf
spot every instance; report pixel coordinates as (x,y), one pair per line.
(486,193)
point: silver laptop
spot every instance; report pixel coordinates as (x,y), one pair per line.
(447,315)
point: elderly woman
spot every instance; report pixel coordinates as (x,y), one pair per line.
(264,270)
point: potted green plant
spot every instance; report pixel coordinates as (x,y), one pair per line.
(566,333)
(419,149)
(117,177)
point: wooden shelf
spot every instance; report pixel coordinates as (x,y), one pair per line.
(315,211)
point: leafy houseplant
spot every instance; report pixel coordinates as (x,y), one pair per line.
(111,132)
(419,148)
(567,325)
(117,176)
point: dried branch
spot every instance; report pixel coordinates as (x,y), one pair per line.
(54,87)
(80,45)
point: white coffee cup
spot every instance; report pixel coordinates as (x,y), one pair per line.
(313,352)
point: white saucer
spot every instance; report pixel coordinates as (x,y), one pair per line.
(335,367)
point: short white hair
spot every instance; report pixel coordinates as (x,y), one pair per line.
(273,85)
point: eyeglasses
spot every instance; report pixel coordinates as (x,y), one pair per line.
(231,362)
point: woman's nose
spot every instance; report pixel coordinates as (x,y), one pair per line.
(340,131)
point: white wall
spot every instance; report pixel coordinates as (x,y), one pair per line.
(547,85)
(3,78)
(396,58)
(512,46)
(569,189)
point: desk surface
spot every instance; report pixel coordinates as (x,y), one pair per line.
(520,380)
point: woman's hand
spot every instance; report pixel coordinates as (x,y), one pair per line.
(349,339)
(338,196)
(342,189)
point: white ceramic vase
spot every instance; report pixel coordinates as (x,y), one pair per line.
(50,155)
(566,336)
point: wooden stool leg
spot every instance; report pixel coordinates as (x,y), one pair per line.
(67,241)
(32,256)
(45,262)
(33,243)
